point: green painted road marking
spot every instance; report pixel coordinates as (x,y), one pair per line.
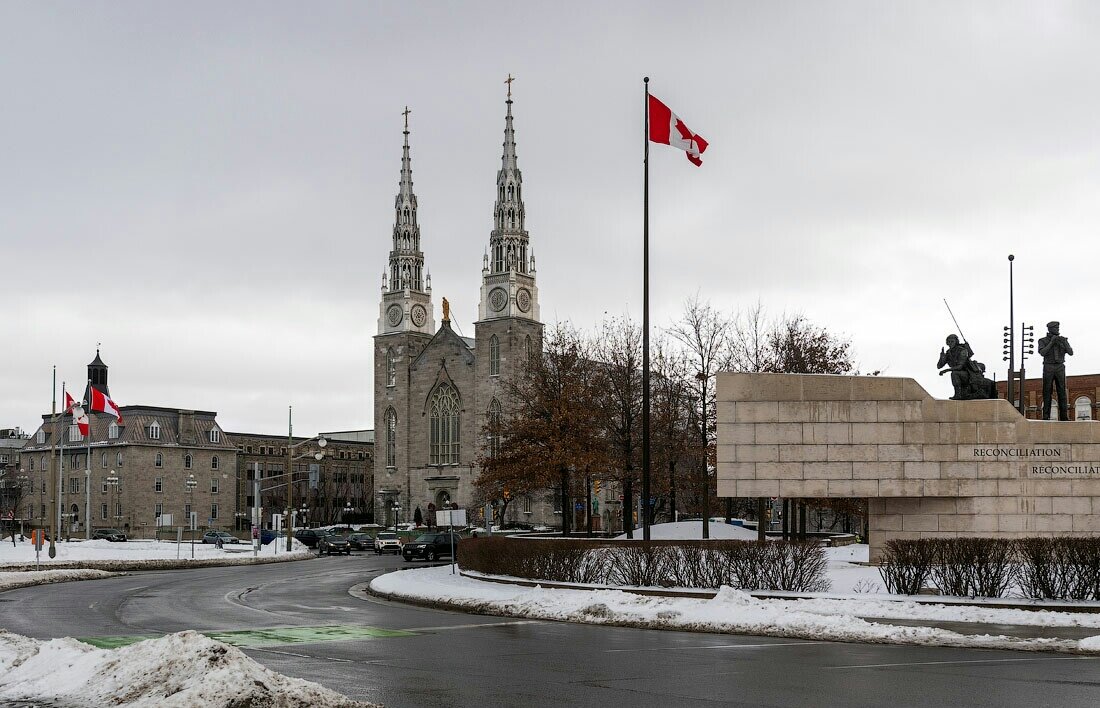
(254,638)
(114,642)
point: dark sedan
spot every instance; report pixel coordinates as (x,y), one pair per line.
(361,542)
(331,543)
(109,534)
(429,546)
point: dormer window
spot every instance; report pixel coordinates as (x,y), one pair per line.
(154,431)
(112,431)
(74,433)
(215,435)
(41,437)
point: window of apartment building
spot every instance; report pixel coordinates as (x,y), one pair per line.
(118,510)
(103,460)
(103,511)
(527,504)
(156,510)
(112,431)
(43,514)
(187,462)
(248,449)
(32,464)
(118,459)
(158,484)
(154,431)
(214,462)
(74,485)
(187,513)
(41,437)
(213,485)
(215,435)
(74,462)
(74,433)
(213,511)
(158,461)
(104,490)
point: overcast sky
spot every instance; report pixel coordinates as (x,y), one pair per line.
(207,188)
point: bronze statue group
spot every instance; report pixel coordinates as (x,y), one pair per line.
(969,380)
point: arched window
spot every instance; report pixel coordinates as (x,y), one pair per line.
(103,460)
(1082,408)
(391,367)
(494,428)
(112,431)
(32,465)
(391,438)
(214,462)
(118,459)
(187,461)
(159,461)
(494,356)
(444,426)
(154,431)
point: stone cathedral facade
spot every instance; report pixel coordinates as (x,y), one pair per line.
(434,391)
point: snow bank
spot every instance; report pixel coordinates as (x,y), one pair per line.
(731,611)
(183,670)
(693,531)
(131,554)
(10,581)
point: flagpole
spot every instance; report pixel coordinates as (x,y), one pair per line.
(645,326)
(49,468)
(60,466)
(88,468)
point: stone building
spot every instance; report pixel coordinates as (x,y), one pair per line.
(325,489)
(1082,391)
(13,485)
(435,390)
(152,453)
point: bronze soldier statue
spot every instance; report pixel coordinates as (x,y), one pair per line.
(1053,348)
(967,376)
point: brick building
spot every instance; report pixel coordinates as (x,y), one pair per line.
(1083,392)
(326,489)
(152,454)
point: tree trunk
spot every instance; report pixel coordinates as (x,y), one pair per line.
(672,490)
(628,507)
(566,507)
(760,535)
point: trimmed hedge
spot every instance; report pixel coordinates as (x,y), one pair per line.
(746,565)
(1058,568)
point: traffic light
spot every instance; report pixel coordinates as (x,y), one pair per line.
(507,495)
(596,487)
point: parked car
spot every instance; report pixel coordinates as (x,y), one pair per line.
(361,542)
(387,542)
(331,543)
(309,536)
(213,536)
(430,546)
(109,534)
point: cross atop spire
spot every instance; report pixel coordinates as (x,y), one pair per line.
(406,113)
(509,81)
(406,258)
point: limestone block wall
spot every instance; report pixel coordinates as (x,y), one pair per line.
(929,468)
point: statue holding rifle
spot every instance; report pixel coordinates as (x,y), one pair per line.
(967,376)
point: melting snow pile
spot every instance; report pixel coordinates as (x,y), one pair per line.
(177,671)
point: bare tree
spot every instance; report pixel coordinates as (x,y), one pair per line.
(705,334)
(671,422)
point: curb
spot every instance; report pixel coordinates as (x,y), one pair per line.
(165,564)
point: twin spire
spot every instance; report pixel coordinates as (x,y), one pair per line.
(508,242)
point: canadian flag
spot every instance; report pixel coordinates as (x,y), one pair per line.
(665,127)
(103,404)
(80,418)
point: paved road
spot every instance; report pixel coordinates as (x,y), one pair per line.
(451,659)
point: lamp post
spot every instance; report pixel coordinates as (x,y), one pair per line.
(191,491)
(702,379)
(23,481)
(1010,336)
(112,482)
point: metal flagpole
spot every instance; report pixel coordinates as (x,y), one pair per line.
(88,469)
(49,468)
(60,463)
(645,326)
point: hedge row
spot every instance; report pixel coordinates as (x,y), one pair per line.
(748,565)
(1059,568)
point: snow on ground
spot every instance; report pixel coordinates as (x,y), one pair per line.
(731,611)
(10,581)
(178,670)
(693,530)
(101,550)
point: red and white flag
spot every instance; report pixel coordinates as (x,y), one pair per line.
(80,418)
(665,127)
(103,404)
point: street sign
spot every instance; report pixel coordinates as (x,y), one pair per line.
(450,517)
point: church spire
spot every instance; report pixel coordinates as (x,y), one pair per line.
(406,258)
(508,241)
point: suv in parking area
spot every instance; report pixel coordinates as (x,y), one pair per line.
(331,543)
(430,546)
(361,541)
(109,534)
(387,542)
(309,536)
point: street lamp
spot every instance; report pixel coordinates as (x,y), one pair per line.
(191,491)
(22,479)
(290,447)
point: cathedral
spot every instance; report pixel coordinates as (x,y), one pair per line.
(434,390)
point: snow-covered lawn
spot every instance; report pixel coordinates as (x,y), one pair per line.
(693,530)
(10,581)
(184,670)
(734,611)
(101,550)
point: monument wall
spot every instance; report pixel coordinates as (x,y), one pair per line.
(929,468)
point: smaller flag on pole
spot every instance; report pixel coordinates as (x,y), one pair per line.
(80,418)
(666,128)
